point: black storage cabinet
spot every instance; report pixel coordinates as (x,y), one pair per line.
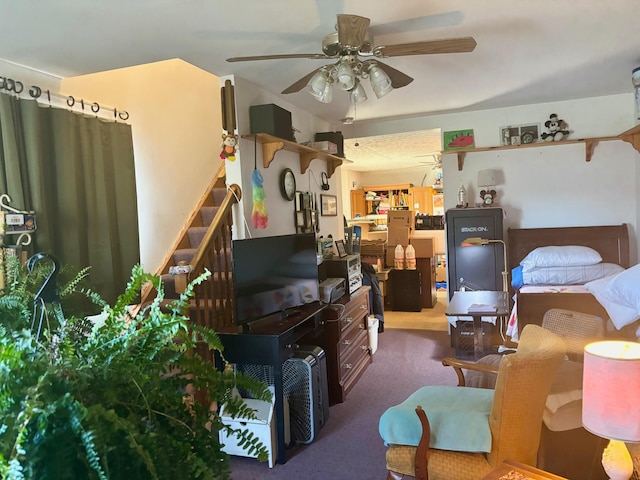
(476,267)
(406,286)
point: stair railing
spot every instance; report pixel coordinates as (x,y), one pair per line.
(214,299)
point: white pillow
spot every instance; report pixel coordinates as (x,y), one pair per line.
(620,314)
(625,288)
(560,256)
(572,275)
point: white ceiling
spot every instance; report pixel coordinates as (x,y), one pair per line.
(527,52)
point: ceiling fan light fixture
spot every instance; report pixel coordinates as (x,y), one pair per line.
(357,94)
(380,81)
(317,86)
(345,76)
(327,94)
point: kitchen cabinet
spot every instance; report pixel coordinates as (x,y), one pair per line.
(358,204)
(422,198)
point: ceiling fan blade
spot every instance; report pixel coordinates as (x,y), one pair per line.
(352,31)
(448,45)
(398,79)
(312,56)
(300,84)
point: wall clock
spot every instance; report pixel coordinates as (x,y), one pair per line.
(287,184)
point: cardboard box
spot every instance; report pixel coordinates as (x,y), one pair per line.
(423,247)
(334,137)
(398,235)
(441,274)
(325,146)
(400,218)
(390,257)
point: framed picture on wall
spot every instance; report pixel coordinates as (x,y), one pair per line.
(328,205)
(458,139)
(519,134)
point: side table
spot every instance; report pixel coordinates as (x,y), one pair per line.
(462,303)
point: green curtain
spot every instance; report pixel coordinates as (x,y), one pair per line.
(77,173)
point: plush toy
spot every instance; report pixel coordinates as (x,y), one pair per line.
(488,197)
(557,129)
(229,143)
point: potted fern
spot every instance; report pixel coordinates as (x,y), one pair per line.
(126,398)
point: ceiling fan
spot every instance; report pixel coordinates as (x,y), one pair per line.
(357,57)
(435,162)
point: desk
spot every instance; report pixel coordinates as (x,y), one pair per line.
(506,469)
(270,341)
(459,307)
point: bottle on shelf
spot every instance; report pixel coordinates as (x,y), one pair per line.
(410,257)
(398,260)
(462,197)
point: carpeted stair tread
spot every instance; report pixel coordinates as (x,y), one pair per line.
(218,195)
(207,214)
(196,234)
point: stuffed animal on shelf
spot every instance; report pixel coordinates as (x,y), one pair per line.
(228,146)
(557,129)
(488,197)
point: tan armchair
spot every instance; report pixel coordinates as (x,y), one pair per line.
(514,416)
(564,403)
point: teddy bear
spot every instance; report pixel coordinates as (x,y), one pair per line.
(557,129)
(229,143)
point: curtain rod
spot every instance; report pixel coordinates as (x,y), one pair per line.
(35,92)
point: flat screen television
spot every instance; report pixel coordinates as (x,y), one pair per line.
(273,274)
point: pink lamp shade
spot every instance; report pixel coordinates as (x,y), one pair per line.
(611,390)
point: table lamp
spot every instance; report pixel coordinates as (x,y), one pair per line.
(611,401)
(467,242)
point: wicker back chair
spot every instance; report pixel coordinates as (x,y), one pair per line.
(515,419)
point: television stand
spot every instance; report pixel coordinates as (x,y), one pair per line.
(270,341)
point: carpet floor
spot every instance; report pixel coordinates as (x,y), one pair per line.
(349,446)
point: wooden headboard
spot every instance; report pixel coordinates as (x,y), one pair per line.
(610,241)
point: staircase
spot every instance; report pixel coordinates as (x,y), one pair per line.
(203,244)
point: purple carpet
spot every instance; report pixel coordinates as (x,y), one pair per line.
(349,447)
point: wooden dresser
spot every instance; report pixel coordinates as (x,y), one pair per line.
(345,340)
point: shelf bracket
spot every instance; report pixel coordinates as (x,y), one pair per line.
(633,139)
(269,150)
(589,146)
(305,161)
(460,160)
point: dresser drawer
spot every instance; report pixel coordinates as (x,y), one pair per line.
(355,313)
(355,364)
(353,354)
(350,337)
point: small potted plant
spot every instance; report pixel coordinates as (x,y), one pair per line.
(120,399)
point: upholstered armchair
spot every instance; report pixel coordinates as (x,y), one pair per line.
(471,430)
(563,408)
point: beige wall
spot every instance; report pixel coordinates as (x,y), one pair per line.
(175,115)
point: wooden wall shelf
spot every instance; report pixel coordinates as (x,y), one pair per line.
(632,136)
(271,145)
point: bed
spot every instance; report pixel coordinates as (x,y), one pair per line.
(530,303)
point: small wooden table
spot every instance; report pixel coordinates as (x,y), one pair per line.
(498,306)
(512,470)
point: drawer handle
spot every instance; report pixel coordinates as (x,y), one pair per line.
(349,319)
(347,342)
(364,347)
(347,365)
(362,307)
(361,327)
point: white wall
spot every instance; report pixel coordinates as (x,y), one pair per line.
(551,185)
(280,211)
(176,125)
(29,76)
